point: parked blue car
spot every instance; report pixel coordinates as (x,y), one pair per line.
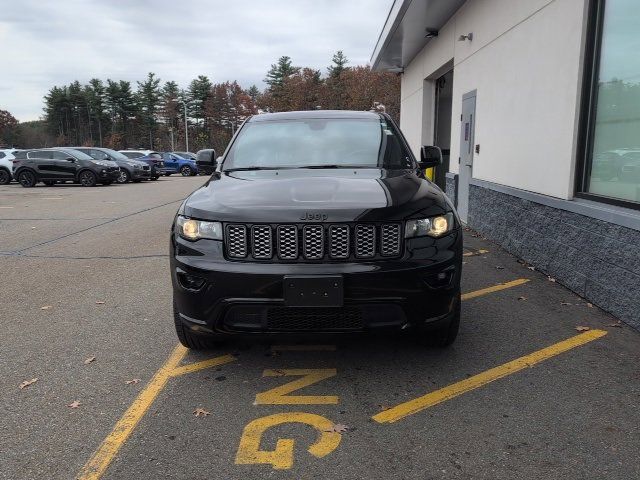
(177,164)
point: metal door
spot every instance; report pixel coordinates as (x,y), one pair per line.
(467,133)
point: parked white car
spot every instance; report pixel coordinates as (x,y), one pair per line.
(6,165)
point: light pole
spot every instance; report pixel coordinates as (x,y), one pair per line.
(186,127)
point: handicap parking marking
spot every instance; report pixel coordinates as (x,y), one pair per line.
(416,405)
(494,288)
(106,452)
(310,376)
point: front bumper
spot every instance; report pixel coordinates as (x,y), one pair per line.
(108,175)
(140,174)
(214,295)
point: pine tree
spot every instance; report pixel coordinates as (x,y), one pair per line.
(339,61)
(279,72)
(254,93)
(148,97)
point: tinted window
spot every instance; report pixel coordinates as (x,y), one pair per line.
(155,155)
(20,155)
(2,155)
(98,155)
(60,155)
(318,142)
(617,105)
(133,154)
(39,154)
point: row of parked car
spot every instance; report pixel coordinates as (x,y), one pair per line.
(90,166)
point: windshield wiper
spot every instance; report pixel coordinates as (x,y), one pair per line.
(251,169)
(337,166)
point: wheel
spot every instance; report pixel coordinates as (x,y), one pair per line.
(190,340)
(27,178)
(5,176)
(124,176)
(87,178)
(186,171)
(49,183)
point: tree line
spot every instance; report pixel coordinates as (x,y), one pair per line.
(151,113)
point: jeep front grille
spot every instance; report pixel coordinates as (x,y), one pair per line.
(297,243)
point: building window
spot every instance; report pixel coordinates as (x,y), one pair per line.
(611,166)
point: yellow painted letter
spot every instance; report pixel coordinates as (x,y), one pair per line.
(282,457)
(279,395)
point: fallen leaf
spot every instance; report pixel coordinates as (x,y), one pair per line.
(46,307)
(26,383)
(201,412)
(581,328)
(531,268)
(99,302)
(338,428)
(565,303)
(133,381)
(590,305)
(384,407)
(618,324)
(551,279)
(89,360)
(74,404)
(522,298)
(499,268)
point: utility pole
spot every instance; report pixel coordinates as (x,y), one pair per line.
(186,126)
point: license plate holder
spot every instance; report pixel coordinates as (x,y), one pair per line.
(313,290)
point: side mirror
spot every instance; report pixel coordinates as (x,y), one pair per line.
(430,156)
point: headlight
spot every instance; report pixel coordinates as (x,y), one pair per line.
(432,227)
(196,229)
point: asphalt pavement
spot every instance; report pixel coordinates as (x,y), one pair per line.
(540,384)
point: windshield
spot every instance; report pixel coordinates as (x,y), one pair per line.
(329,143)
(77,154)
(115,155)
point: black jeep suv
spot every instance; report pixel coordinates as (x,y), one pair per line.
(59,165)
(319,221)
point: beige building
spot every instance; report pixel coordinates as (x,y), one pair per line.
(536,105)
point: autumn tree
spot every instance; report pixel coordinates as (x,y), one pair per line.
(8,128)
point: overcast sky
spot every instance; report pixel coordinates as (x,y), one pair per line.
(46,43)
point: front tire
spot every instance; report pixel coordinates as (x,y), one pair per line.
(186,171)
(190,340)
(124,176)
(87,178)
(5,177)
(27,179)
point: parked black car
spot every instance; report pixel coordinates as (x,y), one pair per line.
(319,221)
(206,161)
(59,165)
(130,170)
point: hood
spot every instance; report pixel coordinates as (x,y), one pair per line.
(336,195)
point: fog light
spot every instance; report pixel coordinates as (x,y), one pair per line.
(441,279)
(190,282)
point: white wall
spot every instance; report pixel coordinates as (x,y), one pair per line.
(524,61)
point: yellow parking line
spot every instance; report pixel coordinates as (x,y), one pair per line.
(473,254)
(106,452)
(447,393)
(495,288)
(303,348)
(194,367)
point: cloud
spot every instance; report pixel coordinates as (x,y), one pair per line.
(54,43)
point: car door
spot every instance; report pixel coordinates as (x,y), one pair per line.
(43,163)
(66,165)
(170,161)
